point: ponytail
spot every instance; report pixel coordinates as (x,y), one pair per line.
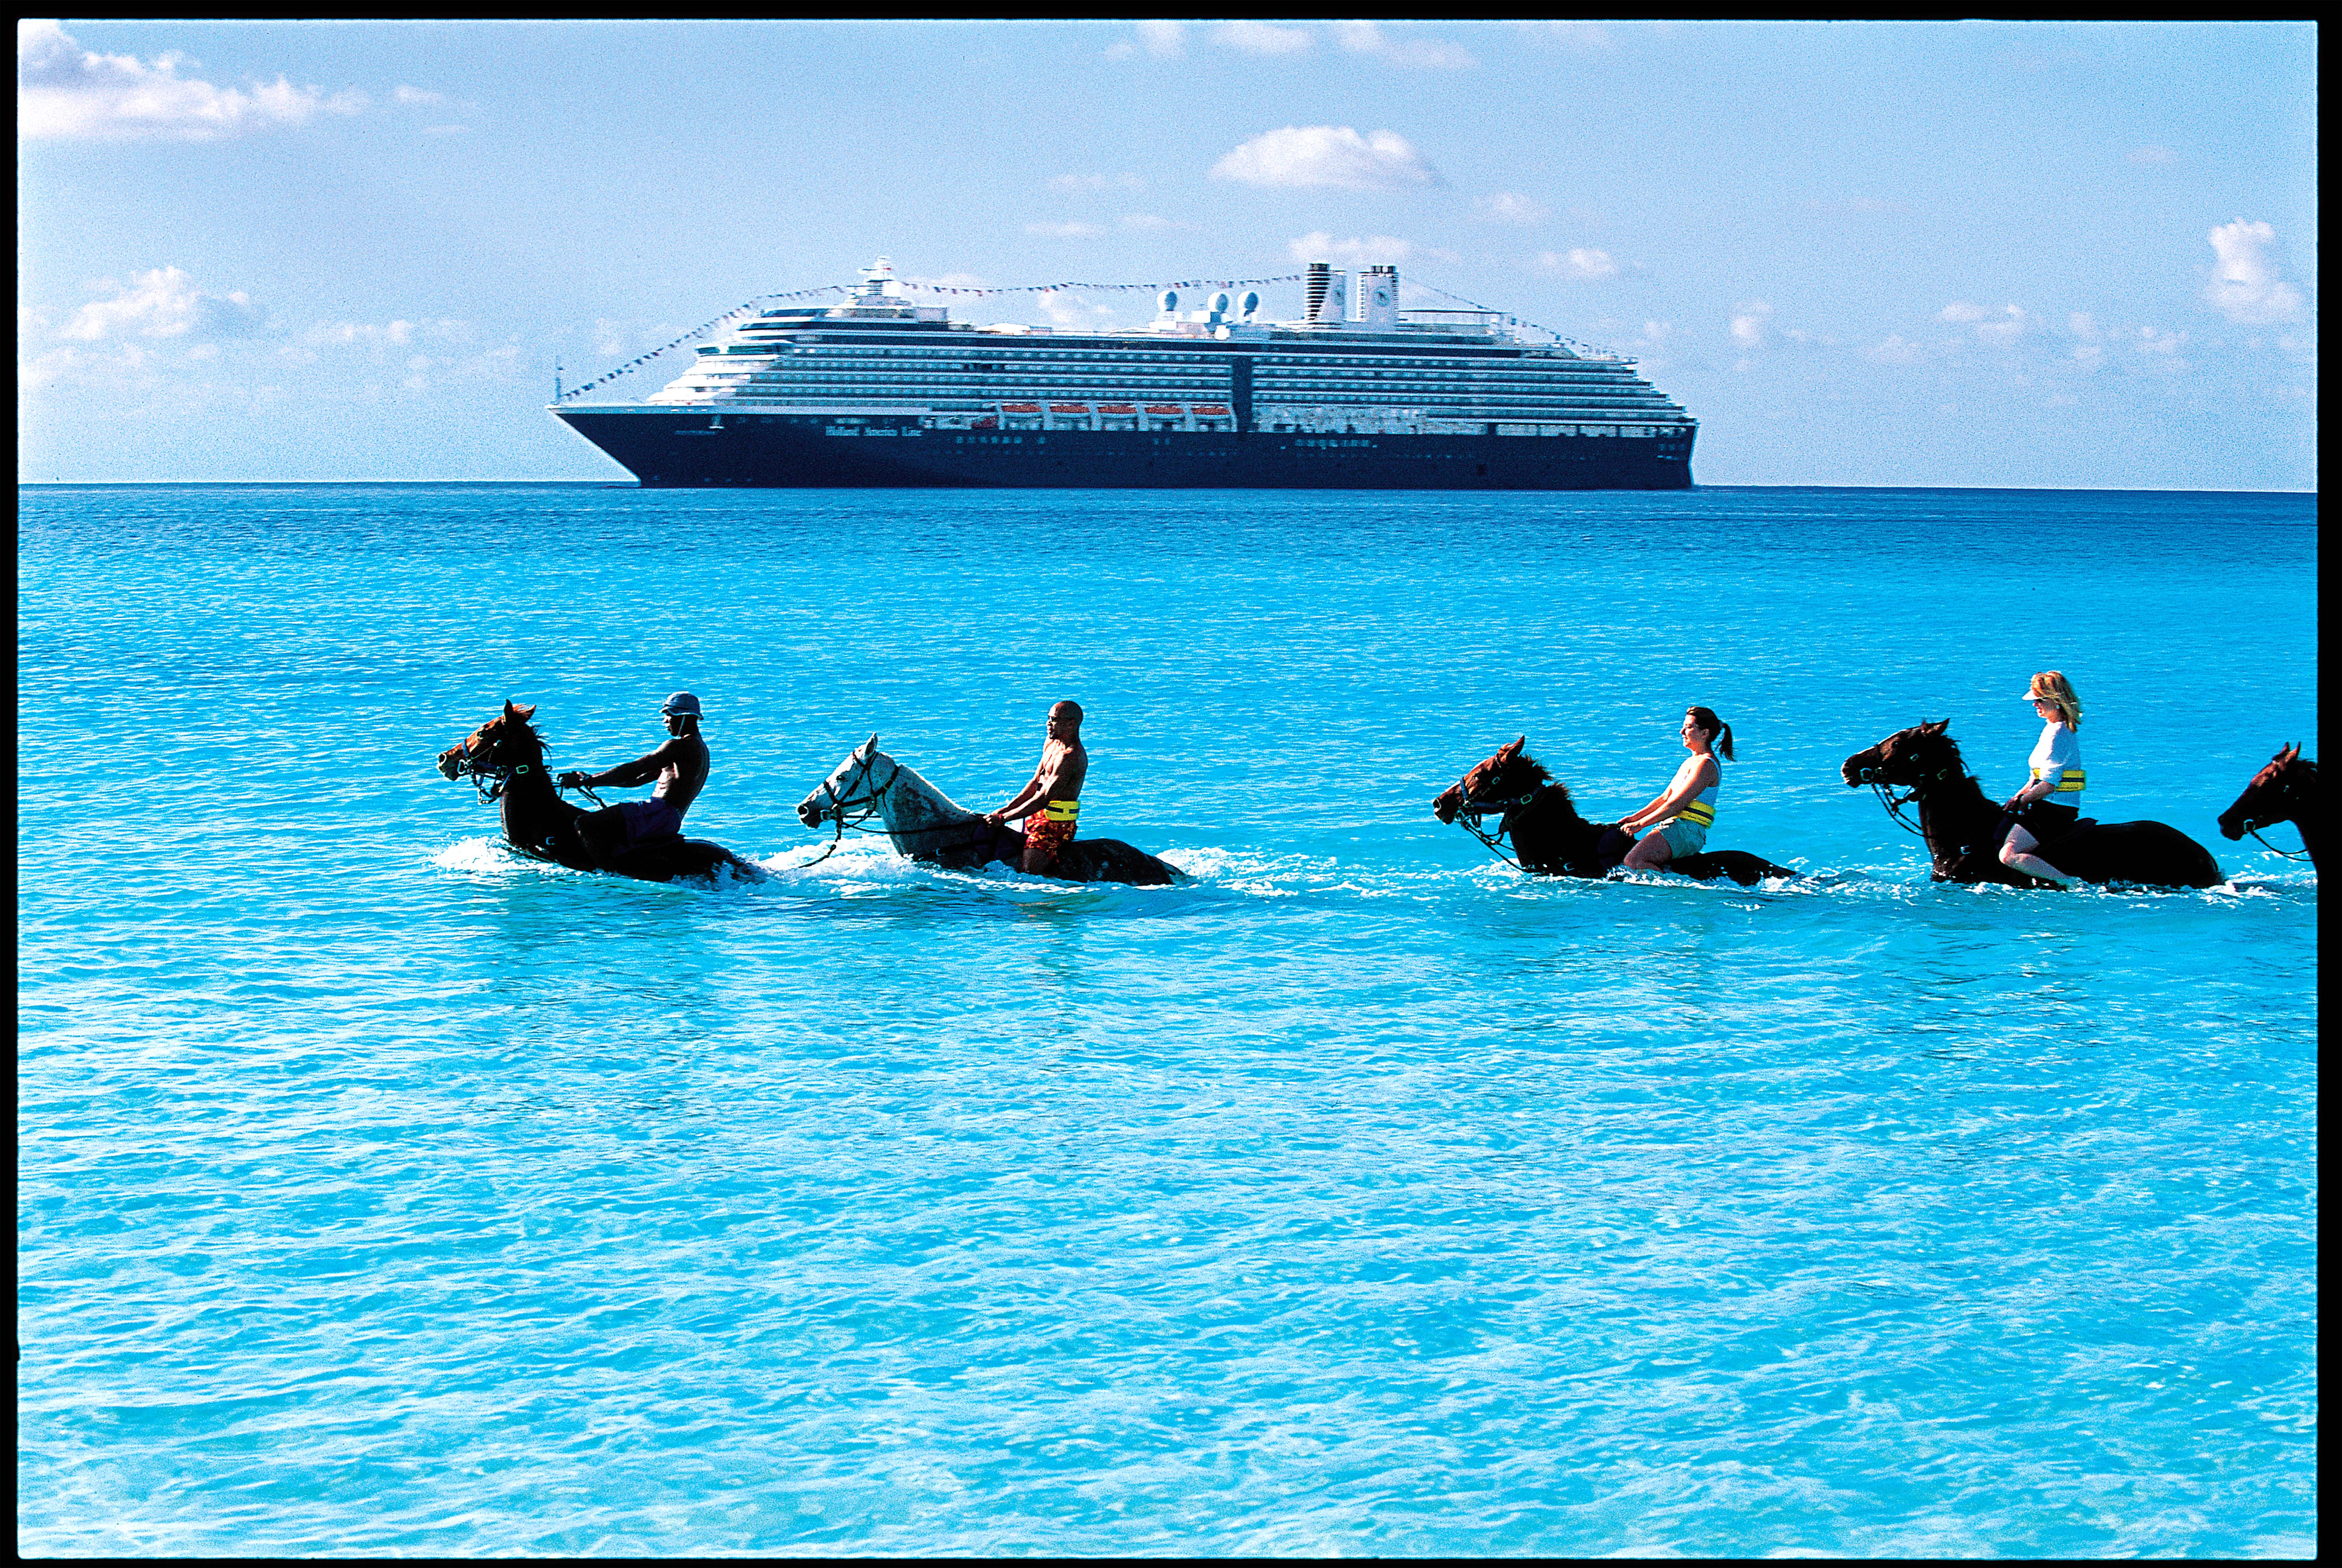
(1706,719)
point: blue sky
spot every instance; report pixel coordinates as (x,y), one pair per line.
(1972,253)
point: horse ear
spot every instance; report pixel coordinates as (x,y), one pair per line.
(1511,749)
(508,708)
(872,743)
(1937,728)
(528,712)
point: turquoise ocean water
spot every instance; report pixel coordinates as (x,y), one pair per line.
(378,1191)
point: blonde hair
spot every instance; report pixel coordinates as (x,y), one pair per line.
(2051,686)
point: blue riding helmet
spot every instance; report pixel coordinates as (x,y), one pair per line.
(681,703)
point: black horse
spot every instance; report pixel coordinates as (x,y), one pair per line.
(1551,839)
(1961,823)
(505,759)
(2283,791)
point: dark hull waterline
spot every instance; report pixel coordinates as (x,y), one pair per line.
(693,448)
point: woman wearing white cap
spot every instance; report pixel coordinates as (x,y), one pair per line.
(2052,797)
(680,766)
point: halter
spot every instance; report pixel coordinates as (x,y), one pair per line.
(839,804)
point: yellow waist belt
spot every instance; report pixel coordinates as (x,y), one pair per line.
(2069,782)
(1064,811)
(1697,813)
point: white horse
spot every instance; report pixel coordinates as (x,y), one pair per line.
(924,824)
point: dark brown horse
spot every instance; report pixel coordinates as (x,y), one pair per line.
(1963,827)
(1550,839)
(2283,791)
(505,759)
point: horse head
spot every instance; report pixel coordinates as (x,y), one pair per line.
(1907,758)
(494,750)
(2273,796)
(848,787)
(1504,781)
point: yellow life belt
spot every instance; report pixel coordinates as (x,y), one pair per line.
(1698,812)
(2069,782)
(1064,811)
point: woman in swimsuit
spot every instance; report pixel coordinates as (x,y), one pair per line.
(2052,796)
(1686,809)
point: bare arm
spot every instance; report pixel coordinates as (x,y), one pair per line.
(1689,782)
(641,771)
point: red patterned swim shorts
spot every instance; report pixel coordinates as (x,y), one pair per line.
(1049,838)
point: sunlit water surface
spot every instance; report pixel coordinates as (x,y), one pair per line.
(379,1191)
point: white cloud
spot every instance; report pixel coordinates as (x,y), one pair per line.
(1071,310)
(1749,323)
(2153,155)
(2011,324)
(2081,324)
(1260,38)
(1090,184)
(67,93)
(1896,349)
(1413,50)
(1065,231)
(163,302)
(2089,356)
(2152,339)
(1159,40)
(1376,250)
(2245,286)
(1512,207)
(1146,223)
(1581,262)
(1961,310)
(1337,155)
(405,95)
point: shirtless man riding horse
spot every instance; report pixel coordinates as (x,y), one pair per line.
(680,766)
(1051,804)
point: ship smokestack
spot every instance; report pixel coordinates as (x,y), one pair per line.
(1320,275)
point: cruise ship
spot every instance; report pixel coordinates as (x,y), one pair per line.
(1359,394)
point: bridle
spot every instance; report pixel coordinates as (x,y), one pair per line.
(1469,816)
(2283,787)
(491,779)
(865,806)
(1885,790)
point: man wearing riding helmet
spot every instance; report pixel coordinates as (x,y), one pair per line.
(680,767)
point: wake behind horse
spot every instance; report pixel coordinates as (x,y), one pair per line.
(1962,826)
(505,758)
(924,824)
(1550,838)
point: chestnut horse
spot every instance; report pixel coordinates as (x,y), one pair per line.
(505,759)
(1960,822)
(2283,791)
(1550,839)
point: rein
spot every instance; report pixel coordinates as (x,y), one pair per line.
(2254,830)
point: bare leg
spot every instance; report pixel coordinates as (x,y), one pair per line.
(1651,852)
(2017,854)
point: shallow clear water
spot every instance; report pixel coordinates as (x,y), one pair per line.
(379,1191)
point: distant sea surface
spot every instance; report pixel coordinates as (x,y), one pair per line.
(381,1192)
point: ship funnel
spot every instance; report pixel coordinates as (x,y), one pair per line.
(1250,305)
(1168,301)
(1320,275)
(1219,304)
